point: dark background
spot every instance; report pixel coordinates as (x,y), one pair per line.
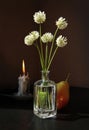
(16,21)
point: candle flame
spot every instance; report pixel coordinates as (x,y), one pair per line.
(23,67)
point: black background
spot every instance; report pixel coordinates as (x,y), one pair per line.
(16,21)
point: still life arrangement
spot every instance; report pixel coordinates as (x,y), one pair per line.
(47,45)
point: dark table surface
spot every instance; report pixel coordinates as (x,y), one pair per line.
(16,113)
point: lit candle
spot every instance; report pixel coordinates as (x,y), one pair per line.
(23,67)
(23,81)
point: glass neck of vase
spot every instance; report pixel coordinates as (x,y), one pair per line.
(45,76)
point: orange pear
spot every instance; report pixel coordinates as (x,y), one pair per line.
(62,93)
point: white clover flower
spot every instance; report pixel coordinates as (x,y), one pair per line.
(28,40)
(35,34)
(47,37)
(39,17)
(61,41)
(61,23)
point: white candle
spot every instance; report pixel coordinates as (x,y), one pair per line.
(23,81)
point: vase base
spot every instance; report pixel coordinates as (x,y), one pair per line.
(45,115)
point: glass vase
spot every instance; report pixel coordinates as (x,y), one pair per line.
(44,105)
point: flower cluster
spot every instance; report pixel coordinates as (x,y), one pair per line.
(29,39)
(47,37)
(39,17)
(46,56)
(61,23)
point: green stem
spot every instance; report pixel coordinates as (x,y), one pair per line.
(49,101)
(39,55)
(46,56)
(51,49)
(52,57)
(41,47)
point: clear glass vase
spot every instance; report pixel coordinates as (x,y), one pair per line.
(44,105)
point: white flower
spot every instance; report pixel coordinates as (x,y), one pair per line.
(35,34)
(61,23)
(39,17)
(61,41)
(29,39)
(47,37)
